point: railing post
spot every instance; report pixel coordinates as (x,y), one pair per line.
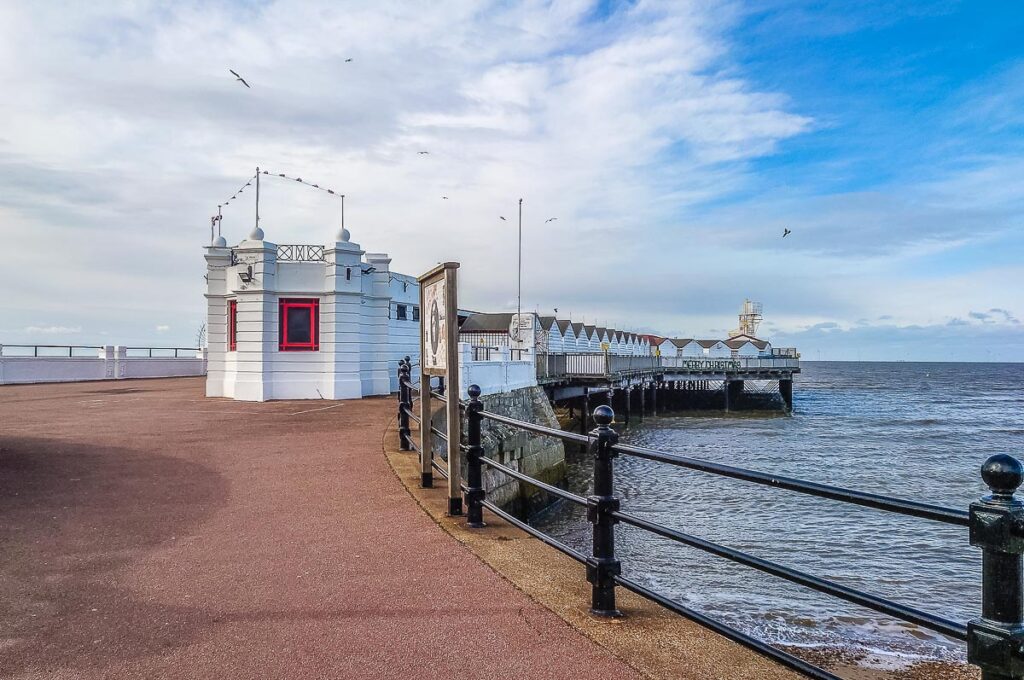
(603,567)
(474,473)
(404,404)
(995,642)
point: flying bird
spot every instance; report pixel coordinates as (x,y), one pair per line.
(786,232)
(502,218)
(240,78)
(348,60)
(550,220)
(422,153)
(444,198)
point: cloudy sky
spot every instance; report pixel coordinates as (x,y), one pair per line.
(673,141)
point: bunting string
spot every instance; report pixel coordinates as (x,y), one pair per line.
(302,181)
(248,182)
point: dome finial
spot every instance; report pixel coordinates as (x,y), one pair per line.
(1002,474)
(256,234)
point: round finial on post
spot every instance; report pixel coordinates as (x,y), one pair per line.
(604,415)
(473,391)
(256,234)
(1003,474)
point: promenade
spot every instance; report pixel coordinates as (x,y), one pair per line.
(149,532)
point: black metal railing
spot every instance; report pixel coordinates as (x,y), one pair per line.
(49,351)
(995,640)
(76,351)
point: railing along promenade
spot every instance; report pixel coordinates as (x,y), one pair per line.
(604,365)
(71,351)
(995,523)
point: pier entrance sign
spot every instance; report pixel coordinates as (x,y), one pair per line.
(435,354)
(439,356)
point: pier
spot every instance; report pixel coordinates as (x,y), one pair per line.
(637,384)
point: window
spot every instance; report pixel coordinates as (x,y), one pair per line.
(299,325)
(415,313)
(400,312)
(232,325)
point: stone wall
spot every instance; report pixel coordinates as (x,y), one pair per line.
(532,454)
(529,453)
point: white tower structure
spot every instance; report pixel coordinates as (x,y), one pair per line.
(750,319)
(305,321)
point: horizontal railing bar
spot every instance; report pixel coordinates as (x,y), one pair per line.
(438,433)
(879,604)
(784,658)
(539,429)
(55,346)
(439,396)
(936,513)
(536,533)
(408,411)
(561,493)
(411,386)
(443,471)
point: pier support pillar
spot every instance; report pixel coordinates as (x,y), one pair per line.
(584,414)
(628,405)
(643,401)
(786,390)
(654,399)
(733,390)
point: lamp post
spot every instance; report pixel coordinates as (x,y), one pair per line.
(519,294)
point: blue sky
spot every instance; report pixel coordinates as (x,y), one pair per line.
(673,140)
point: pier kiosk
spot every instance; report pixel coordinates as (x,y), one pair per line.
(299,321)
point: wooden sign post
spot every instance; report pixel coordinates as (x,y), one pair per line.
(439,355)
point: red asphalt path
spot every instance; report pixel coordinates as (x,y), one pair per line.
(148,532)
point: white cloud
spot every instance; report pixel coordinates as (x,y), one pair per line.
(52,330)
(163,328)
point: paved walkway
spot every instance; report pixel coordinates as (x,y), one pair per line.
(146,532)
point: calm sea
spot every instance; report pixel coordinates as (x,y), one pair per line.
(913,430)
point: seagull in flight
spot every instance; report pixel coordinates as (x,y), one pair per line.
(502,218)
(348,60)
(239,78)
(786,232)
(550,220)
(423,153)
(444,198)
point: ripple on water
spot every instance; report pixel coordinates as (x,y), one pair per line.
(897,429)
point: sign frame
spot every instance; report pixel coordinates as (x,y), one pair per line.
(442,281)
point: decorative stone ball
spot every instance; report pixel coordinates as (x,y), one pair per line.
(220,242)
(473,391)
(1003,474)
(256,234)
(604,415)
(344,235)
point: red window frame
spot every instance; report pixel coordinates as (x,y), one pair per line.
(232,325)
(284,343)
